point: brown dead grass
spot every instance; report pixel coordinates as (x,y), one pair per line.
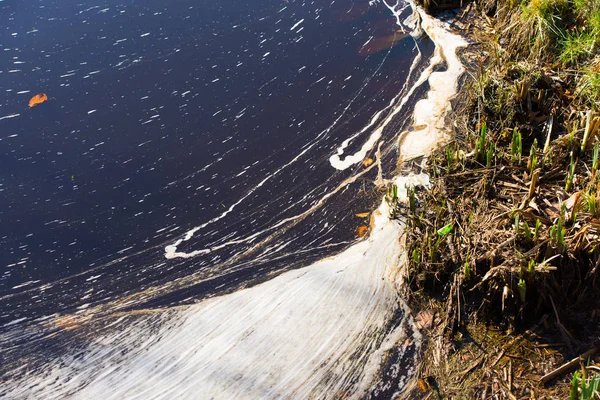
(501,305)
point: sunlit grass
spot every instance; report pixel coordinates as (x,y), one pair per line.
(578,45)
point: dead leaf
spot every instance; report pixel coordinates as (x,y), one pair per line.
(38,99)
(361,230)
(368,162)
(535,117)
(424,320)
(572,201)
(362,215)
(423,385)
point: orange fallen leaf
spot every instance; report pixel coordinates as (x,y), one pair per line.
(423,385)
(362,215)
(368,162)
(361,230)
(38,99)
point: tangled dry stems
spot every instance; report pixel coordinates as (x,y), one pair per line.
(518,187)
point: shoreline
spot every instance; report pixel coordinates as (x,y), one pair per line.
(512,340)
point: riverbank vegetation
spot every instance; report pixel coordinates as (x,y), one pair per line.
(504,248)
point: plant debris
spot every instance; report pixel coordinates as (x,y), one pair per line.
(504,249)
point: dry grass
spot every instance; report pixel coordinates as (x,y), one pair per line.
(508,238)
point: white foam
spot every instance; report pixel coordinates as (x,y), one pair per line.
(430,112)
(296,336)
(9,116)
(321,331)
(336,160)
(25,283)
(297,24)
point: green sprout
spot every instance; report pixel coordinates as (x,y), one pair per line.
(527,230)
(480,146)
(533,160)
(536,234)
(595,160)
(522,289)
(490,154)
(570,175)
(531,266)
(516,146)
(392,200)
(585,387)
(449,157)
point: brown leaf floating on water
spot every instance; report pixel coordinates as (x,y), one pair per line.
(38,99)
(361,230)
(362,215)
(368,162)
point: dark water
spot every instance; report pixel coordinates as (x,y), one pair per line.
(168,116)
(161,117)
